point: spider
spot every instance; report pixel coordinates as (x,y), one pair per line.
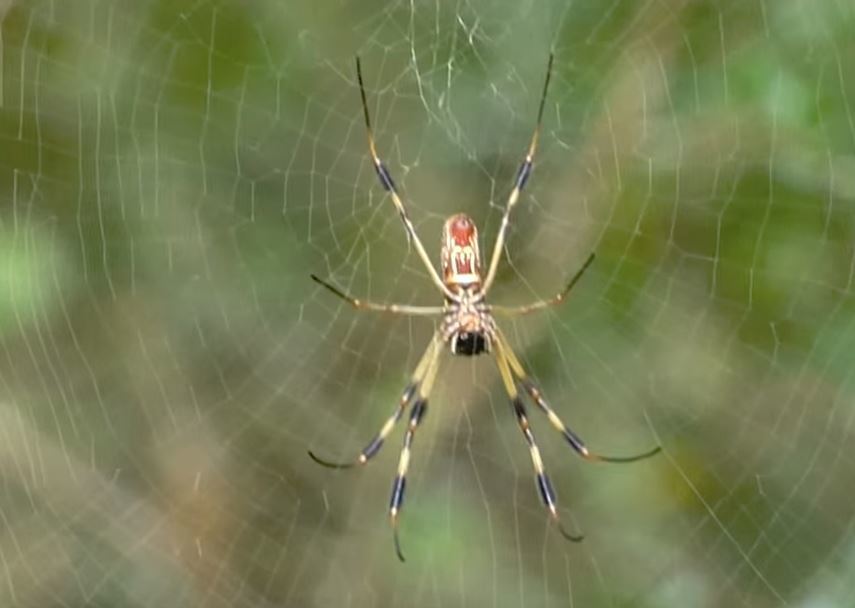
(467,328)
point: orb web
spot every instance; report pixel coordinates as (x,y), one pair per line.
(171,175)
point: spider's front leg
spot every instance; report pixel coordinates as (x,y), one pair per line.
(572,438)
(416,414)
(544,485)
(416,381)
(419,387)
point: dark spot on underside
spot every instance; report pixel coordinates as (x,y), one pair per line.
(469,344)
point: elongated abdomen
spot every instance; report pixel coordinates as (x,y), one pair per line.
(461,260)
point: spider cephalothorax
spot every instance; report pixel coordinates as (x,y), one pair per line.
(467,328)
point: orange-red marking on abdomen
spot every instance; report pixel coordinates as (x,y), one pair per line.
(462,229)
(461,264)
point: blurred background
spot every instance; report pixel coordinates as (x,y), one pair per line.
(172,172)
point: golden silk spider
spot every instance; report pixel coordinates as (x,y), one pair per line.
(468,327)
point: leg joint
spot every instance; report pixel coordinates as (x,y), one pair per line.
(418,412)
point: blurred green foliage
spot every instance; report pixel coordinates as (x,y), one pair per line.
(171,173)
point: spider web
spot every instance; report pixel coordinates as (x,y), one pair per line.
(171,174)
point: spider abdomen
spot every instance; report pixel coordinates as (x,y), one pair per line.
(460,259)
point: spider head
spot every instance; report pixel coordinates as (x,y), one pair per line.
(469,328)
(469,343)
(461,261)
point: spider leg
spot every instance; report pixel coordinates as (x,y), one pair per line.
(401,309)
(572,438)
(409,392)
(544,485)
(523,174)
(389,185)
(513,311)
(416,414)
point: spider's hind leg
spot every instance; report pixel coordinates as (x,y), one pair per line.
(389,185)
